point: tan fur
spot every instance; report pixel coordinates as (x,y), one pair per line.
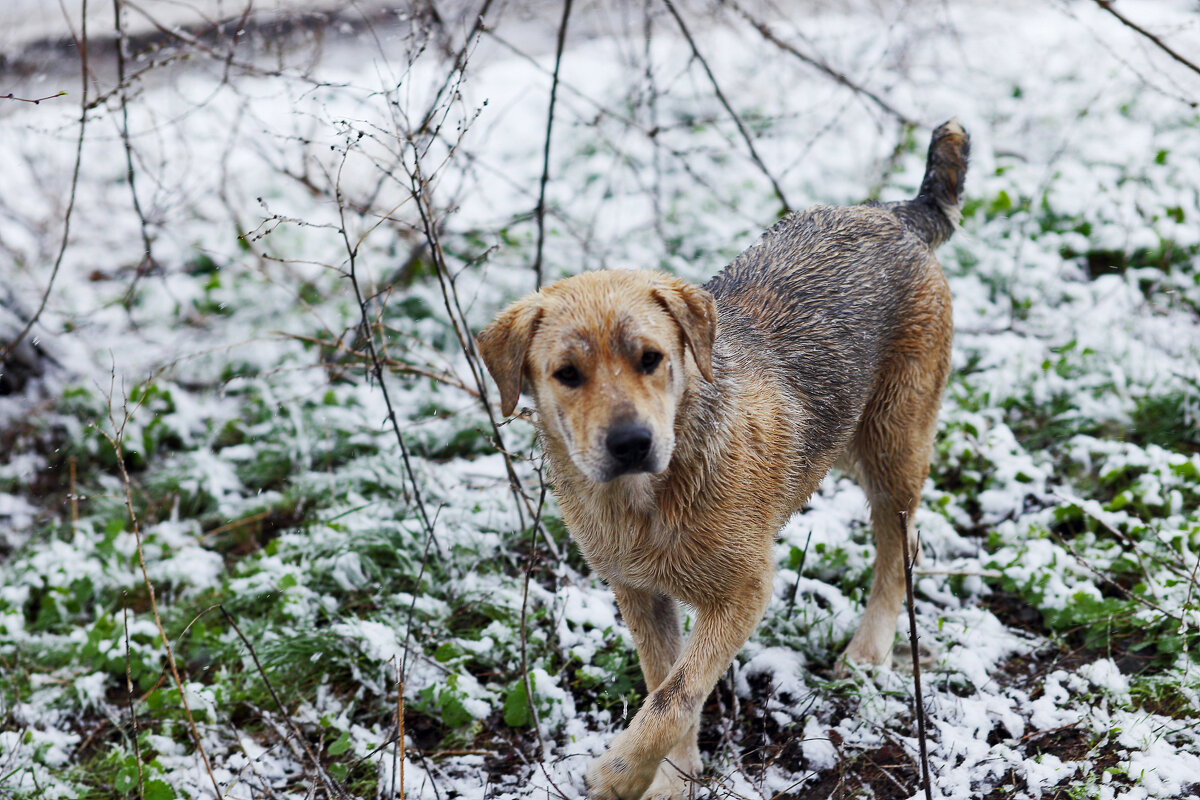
(827,341)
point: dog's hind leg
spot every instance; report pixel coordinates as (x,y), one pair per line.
(891,452)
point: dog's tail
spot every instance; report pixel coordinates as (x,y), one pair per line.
(936,210)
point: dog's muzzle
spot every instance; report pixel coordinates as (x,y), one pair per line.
(629,446)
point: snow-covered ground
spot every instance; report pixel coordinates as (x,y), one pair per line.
(1059,602)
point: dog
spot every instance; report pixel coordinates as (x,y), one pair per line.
(684,426)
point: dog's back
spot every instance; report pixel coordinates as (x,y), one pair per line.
(828,293)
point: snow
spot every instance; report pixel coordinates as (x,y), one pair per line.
(1069,113)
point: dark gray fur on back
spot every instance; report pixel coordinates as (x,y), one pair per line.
(819,301)
(824,288)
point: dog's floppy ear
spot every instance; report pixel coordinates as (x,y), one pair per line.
(695,312)
(503,345)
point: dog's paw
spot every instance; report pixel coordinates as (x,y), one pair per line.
(673,781)
(927,654)
(859,661)
(614,777)
(870,647)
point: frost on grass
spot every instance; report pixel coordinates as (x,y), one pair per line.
(1057,603)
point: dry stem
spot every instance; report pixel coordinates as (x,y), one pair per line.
(918,700)
(115,440)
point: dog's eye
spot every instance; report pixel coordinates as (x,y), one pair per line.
(568,376)
(650,360)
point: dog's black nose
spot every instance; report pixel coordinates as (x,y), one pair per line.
(629,445)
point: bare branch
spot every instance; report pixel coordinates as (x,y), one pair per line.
(540,212)
(137,750)
(1108,6)
(918,700)
(115,440)
(35,101)
(733,114)
(147,261)
(812,61)
(82,44)
(376,363)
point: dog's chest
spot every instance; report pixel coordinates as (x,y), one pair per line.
(640,547)
(623,534)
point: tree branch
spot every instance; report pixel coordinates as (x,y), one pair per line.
(733,114)
(812,61)
(1108,6)
(82,44)
(540,212)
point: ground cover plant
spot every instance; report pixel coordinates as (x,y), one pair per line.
(264,534)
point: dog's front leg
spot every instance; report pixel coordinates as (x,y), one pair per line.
(672,709)
(654,622)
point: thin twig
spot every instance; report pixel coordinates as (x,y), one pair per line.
(454,310)
(683,158)
(398,750)
(82,44)
(34,100)
(650,102)
(1108,6)
(412,605)
(235,524)
(799,572)
(194,43)
(918,700)
(533,714)
(147,261)
(534,525)
(394,366)
(330,784)
(1080,503)
(1187,661)
(960,573)
(377,368)
(74,497)
(376,363)
(460,65)
(137,747)
(1101,576)
(820,65)
(540,211)
(115,440)
(733,114)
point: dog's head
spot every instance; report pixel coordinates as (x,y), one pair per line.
(606,356)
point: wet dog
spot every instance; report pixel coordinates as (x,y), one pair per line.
(685,425)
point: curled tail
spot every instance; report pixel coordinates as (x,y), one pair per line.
(935,211)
